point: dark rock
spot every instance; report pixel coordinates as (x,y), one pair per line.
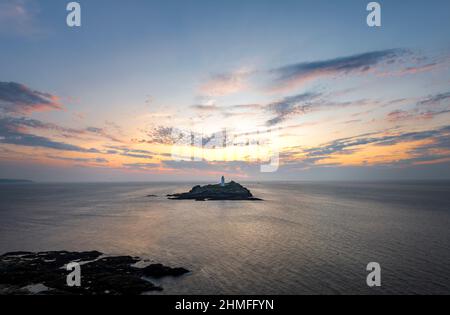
(231,191)
(16,254)
(99,276)
(124,285)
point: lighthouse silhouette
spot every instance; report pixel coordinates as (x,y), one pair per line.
(222,182)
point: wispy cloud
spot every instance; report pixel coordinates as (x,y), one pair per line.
(18,17)
(29,125)
(142,166)
(78,160)
(160,135)
(103,133)
(226,83)
(23,139)
(294,75)
(206,105)
(23,124)
(436,99)
(135,153)
(438,139)
(289,106)
(414,114)
(301,104)
(23,131)
(412,70)
(425,108)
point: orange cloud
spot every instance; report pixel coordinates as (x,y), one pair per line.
(374,154)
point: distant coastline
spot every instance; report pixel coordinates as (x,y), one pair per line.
(15,181)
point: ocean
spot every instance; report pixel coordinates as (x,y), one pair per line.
(304,238)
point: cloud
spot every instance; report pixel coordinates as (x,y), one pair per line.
(134,153)
(402,115)
(225,83)
(399,115)
(80,160)
(142,166)
(16,98)
(289,106)
(138,156)
(349,145)
(103,133)
(171,136)
(242,110)
(412,70)
(417,148)
(308,102)
(160,135)
(17,17)
(11,134)
(247,106)
(23,124)
(210,107)
(421,64)
(206,107)
(294,75)
(436,99)
(43,142)
(426,108)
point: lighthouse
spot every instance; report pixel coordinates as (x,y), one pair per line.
(222,182)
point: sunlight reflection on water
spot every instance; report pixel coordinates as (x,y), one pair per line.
(304,238)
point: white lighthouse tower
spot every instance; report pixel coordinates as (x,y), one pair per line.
(222,182)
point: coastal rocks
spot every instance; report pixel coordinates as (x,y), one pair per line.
(45,273)
(228,191)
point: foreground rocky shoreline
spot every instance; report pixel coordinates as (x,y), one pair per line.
(45,273)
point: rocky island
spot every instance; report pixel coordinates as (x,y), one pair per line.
(222,191)
(44,273)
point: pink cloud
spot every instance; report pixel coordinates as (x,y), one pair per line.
(17,98)
(226,84)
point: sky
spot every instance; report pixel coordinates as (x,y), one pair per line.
(251,89)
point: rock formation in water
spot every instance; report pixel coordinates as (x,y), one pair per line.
(45,273)
(226,191)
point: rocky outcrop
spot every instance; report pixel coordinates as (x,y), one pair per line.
(231,191)
(25,272)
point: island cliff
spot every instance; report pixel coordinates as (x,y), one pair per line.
(222,191)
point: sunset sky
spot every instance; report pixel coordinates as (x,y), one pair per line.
(338,100)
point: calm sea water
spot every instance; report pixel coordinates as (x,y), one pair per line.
(305,238)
